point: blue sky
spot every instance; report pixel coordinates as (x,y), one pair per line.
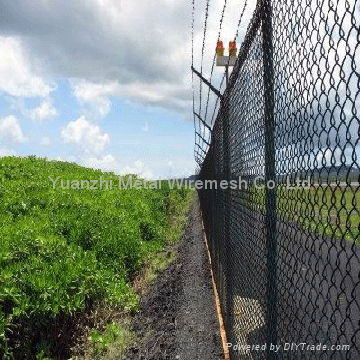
(148,140)
(106,83)
(78,83)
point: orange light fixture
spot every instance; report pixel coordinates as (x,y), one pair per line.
(220,48)
(232,48)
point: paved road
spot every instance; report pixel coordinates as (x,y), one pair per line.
(318,288)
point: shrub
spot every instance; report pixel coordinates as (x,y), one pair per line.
(62,249)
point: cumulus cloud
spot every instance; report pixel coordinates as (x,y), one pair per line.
(44,111)
(139,168)
(143,48)
(159,169)
(17,78)
(103,41)
(86,135)
(95,95)
(135,50)
(109,162)
(10,130)
(106,163)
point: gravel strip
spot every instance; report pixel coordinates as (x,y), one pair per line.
(178,318)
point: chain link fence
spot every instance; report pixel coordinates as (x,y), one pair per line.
(286,258)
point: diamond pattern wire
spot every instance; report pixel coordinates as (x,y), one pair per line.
(287,260)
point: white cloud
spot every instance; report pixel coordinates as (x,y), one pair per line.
(10,130)
(149,169)
(87,136)
(110,163)
(44,111)
(106,163)
(137,46)
(94,94)
(159,94)
(17,77)
(66,158)
(141,47)
(139,168)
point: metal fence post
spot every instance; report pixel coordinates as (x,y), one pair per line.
(227,199)
(270,202)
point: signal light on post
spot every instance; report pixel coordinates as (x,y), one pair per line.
(220,48)
(226,61)
(232,48)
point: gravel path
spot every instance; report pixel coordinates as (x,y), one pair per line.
(177,318)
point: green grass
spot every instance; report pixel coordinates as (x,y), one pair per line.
(63,249)
(112,343)
(325,210)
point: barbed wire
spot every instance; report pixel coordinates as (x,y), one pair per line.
(203,49)
(200,129)
(192,64)
(214,57)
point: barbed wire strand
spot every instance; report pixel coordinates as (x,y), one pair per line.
(214,59)
(224,75)
(192,73)
(203,50)
(201,128)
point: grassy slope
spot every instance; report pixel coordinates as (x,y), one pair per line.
(61,249)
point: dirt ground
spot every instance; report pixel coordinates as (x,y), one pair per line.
(177,318)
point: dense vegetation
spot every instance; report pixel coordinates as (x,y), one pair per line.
(62,249)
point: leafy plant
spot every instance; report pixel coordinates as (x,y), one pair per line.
(114,336)
(63,248)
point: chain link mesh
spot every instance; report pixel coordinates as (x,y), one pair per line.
(286,259)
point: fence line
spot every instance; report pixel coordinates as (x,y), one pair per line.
(286,261)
